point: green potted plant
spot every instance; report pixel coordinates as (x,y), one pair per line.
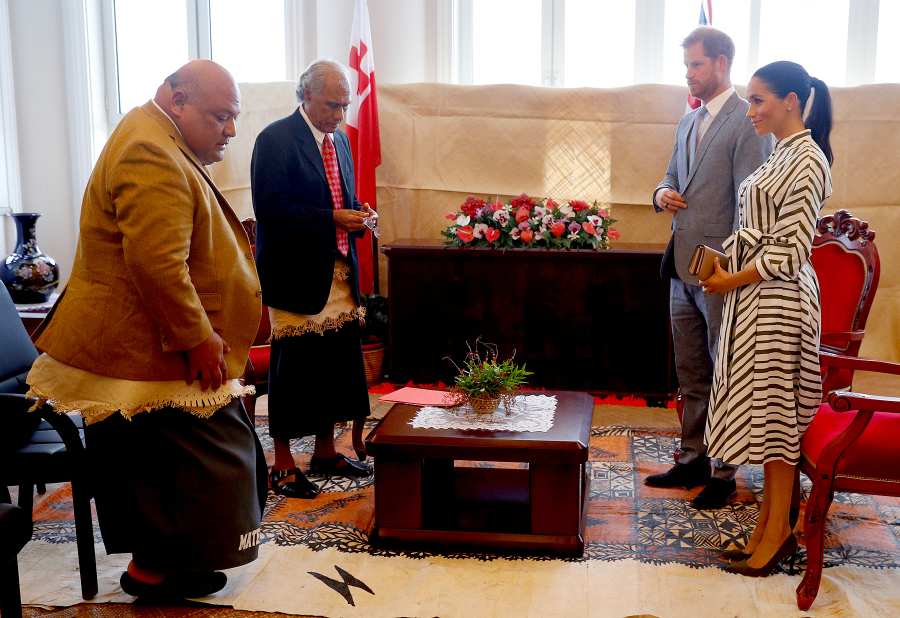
(374,334)
(484,381)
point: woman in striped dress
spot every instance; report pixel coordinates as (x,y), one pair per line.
(766,385)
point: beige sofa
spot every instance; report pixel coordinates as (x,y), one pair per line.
(441,143)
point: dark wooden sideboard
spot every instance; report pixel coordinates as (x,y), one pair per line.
(580,320)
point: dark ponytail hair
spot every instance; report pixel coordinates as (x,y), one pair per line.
(785,77)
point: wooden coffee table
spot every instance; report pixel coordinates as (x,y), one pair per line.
(425,493)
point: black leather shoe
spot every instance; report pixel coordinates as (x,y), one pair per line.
(297,487)
(734,555)
(175,587)
(681,475)
(339,465)
(715,495)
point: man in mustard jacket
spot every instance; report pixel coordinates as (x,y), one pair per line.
(150,337)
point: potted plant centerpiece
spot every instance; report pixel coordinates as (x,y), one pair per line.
(374,334)
(485,381)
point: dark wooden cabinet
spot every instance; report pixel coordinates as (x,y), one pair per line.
(580,320)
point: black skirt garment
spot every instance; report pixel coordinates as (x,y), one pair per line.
(180,493)
(315,381)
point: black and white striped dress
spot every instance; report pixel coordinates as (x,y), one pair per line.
(766,384)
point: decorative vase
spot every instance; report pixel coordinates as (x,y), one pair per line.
(30,275)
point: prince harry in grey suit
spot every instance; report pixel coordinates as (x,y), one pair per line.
(715,149)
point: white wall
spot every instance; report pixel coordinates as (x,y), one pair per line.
(401,31)
(43,135)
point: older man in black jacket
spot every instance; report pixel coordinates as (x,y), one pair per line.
(308,220)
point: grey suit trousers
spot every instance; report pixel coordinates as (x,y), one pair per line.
(696,318)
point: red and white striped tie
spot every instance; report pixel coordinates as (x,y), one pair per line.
(333,174)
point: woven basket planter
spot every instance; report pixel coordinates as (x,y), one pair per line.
(484,405)
(373,362)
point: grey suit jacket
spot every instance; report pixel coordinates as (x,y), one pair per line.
(729,152)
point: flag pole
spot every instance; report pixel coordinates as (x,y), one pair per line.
(376,288)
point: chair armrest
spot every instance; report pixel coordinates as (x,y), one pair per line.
(828,359)
(842,339)
(15,401)
(18,424)
(64,426)
(843,401)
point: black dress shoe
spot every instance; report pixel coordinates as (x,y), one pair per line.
(715,495)
(339,465)
(734,555)
(175,587)
(682,475)
(298,487)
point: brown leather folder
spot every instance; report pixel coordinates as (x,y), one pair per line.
(702,262)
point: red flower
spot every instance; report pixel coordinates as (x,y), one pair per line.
(588,227)
(550,205)
(613,234)
(578,205)
(558,229)
(492,234)
(522,214)
(522,201)
(527,236)
(497,206)
(471,205)
(465,233)
(451,216)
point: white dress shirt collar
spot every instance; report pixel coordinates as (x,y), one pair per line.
(714,105)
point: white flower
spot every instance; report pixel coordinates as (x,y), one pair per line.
(547,219)
(566,210)
(515,233)
(463,219)
(573,236)
(539,211)
(479,230)
(595,220)
(501,216)
(538,236)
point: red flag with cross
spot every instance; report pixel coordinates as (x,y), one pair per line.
(362,129)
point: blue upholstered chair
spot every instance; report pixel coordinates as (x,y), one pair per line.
(40,447)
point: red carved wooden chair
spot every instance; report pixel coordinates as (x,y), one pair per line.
(257,369)
(847,266)
(853,444)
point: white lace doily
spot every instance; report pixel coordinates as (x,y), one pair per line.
(527,413)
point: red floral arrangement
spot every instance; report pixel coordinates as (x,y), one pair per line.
(530,222)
